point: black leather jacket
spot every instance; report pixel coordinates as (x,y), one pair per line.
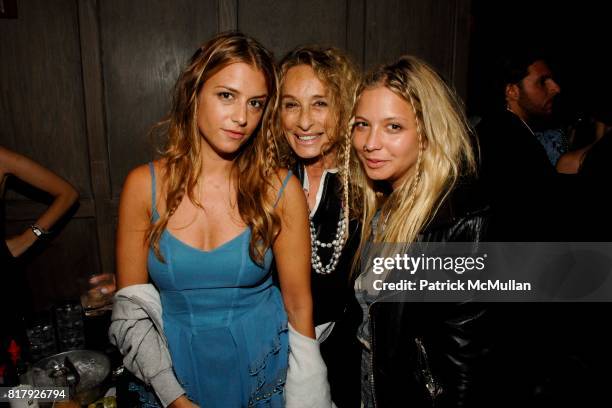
(432,354)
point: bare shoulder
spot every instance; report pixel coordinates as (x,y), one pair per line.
(284,182)
(278,178)
(138,179)
(291,193)
(137,187)
(142,174)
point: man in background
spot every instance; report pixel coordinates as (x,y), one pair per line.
(515,170)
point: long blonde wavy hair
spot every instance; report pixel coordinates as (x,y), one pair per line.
(445,153)
(256,161)
(340,76)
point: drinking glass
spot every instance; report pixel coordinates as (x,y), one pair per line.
(69,321)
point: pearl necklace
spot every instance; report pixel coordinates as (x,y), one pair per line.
(337,244)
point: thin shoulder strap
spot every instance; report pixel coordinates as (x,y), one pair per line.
(153,184)
(280,191)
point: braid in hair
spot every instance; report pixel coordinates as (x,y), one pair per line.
(345,170)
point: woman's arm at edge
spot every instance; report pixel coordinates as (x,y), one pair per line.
(135,209)
(44,179)
(132,225)
(292,254)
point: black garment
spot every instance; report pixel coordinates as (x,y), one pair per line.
(334,298)
(425,349)
(331,292)
(592,201)
(569,344)
(552,352)
(341,352)
(6,259)
(14,293)
(522,185)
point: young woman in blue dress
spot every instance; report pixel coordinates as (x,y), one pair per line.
(204,222)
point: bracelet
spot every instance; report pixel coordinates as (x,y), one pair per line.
(39,231)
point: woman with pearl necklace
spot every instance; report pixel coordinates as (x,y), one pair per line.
(310,123)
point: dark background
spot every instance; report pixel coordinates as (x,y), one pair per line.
(82,81)
(574,35)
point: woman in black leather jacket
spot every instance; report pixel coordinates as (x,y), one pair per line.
(311,127)
(413,143)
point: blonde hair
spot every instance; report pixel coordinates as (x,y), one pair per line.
(340,76)
(445,153)
(255,162)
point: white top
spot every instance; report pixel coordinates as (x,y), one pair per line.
(306,187)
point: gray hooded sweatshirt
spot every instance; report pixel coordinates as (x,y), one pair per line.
(137,331)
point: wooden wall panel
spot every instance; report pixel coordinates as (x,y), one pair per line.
(145,44)
(282,25)
(427,29)
(462,47)
(41,94)
(227,15)
(89,26)
(355,36)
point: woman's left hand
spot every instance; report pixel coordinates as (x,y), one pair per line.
(18,244)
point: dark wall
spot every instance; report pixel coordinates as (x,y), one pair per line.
(574,36)
(82,81)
